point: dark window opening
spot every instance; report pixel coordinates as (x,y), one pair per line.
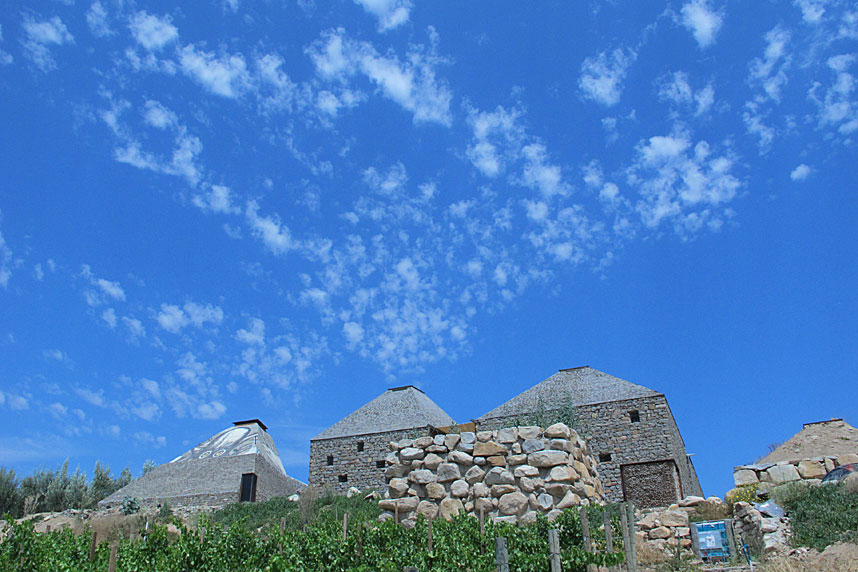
(635,416)
(248,488)
(380,464)
(344,478)
(360,446)
(330,459)
(604,457)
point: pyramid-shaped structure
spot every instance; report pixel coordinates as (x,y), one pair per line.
(397,408)
(578,386)
(830,438)
(238,463)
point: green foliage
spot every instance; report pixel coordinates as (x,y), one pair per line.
(10,499)
(148,465)
(820,515)
(130,505)
(387,547)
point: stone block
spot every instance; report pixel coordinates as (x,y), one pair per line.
(411,453)
(569,500)
(481,490)
(783,474)
(404,505)
(846,459)
(526,471)
(436,491)
(499,476)
(545,502)
(451,441)
(674,518)
(449,508)
(496,461)
(397,487)
(529,432)
(532,445)
(526,484)
(563,474)
(659,532)
(558,431)
(427,509)
(562,445)
(516,460)
(483,436)
(528,517)
(808,469)
(422,477)
(500,490)
(459,488)
(474,475)
(431,461)
(745,477)
(547,458)
(512,503)
(508,435)
(468,437)
(488,448)
(448,472)
(460,458)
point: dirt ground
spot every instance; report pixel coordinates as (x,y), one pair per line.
(816,439)
(840,557)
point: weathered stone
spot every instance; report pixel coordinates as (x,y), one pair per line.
(411,453)
(682,531)
(459,488)
(481,490)
(450,441)
(529,432)
(397,470)
(507,435)
(846,459)
(745,477)
(546,502)
(526,471)
(488,448)
(417,464)
(483,505)
(509,519)
(499,476)
(811,469)
(562,445)
(385,516)
(474,475)
(496,461)
(449,508)
(404,443)
(468,437)
(480,461)
(436,449)
(436,491)
(783,474)
(580,467)
(558,431)
(527,485)
(438,439)
(448,472)
(431,461)
(466,447)
(692,501)
(427,509)
(460,457)
(527,518)
(500,490)
(659,532)
(397,487)
(422,477)
(405,504)
(674,518)
(552,515)
(391,459)
(563,474)
(769,525)
(513,460)
(649,521)
(547,458)
(829,464)
(571,499)
(516,448)
(483,436)
(423,442)
(417,490)
(469,506)
(512,503)
(532,445)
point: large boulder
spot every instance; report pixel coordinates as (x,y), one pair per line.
(404,505)
(745,477)
(558,431)
(547,458)
(411,453)
(499,476)
(783,474)
(532,445)
(448,472)
(811,469)
(488,448)
(563,474)
(431,461)
(422,477)
(512,503)
(449,508)
(397,487)
(459,488)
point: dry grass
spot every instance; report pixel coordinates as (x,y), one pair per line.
(841,557)
(649,554)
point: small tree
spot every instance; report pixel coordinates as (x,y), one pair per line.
(10,497)
(148,465)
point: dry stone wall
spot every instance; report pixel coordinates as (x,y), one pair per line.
(786,471)
(509,474)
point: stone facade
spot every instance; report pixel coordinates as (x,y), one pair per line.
(812,469)
(625,442)
(338,463)
(509,474)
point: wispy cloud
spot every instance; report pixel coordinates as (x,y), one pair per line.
(225,75)
(390,13)
(173,318)
(40,36)
(97,20)
(153,32)
(602,76)
(702,21)
(800,173)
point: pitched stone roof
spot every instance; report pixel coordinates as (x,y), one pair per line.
(823,438)
(245,438)
(581,385)
(395,409)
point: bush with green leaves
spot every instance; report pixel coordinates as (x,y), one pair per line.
(819,515)
(130,505)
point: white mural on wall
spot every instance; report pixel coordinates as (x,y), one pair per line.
(247,439)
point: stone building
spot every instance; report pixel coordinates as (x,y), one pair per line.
(352,452)
(238,464)
(629,428)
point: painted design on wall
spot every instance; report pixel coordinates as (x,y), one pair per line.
(242,440)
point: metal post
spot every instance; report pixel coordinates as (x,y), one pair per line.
(554,549)
(609,534)
(501,555)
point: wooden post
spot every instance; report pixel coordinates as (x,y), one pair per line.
(111,566)
(585,531)
(482,530)
(360,542)
(282,530)
(501,555)
(609,534)
(345,525)
(396,512)
(624,524)
(410,569)
(48,529)
(430,535)
(554,549)
(202,534)
(731,538)
(92,546)
(633,552)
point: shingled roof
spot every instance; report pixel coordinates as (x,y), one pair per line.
(395,409)
(581,385)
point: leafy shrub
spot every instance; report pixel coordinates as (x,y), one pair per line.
(130,505)
(820,515)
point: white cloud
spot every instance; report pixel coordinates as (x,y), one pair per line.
(109,316)
(96,19)
(226,76)
(5,262)
(91,397)
(55,354)
(390,183)
(602,76)
(539,174)
(152,387)
(211,410)
(254,335)
(40,36)
(411,83)
(770,70)
(158,116)
(152,32)
(390,13)
(112,289)
(811,10)
(147,438)
(800,173)
(702,21)
(677,89)
(173,318)
(275,235)
(57,409)
(135,327)
(218,199)
(147,411)
(5,57)
(496,137)
(353,333)
(181,163)
(838,106)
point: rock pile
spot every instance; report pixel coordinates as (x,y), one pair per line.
(785,471)
(510,474)
(663,528)
(763,534)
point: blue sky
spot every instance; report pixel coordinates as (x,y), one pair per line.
(279,209)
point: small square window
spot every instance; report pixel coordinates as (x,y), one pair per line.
(635,416)
(360,446)
(380,464)
(344,478)
(330,459)
(604,457)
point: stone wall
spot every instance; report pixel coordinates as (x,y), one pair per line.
(351,467)
(617,440)
(785,471)
(510,474)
